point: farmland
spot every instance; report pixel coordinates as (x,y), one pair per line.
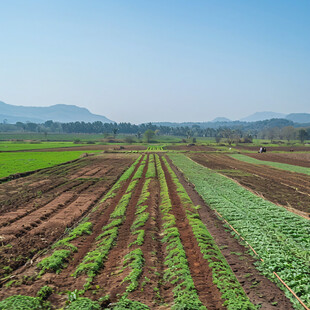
(21,162)
(146,230)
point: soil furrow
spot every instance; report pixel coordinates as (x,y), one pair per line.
(201,273)
(110,277)
(258,288)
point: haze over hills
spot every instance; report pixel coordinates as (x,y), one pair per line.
(58,113)
(71,113)
(301,118)
(261,116)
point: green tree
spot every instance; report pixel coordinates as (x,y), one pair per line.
(302,135)
(149,134)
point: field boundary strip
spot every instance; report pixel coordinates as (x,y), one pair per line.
(276,165)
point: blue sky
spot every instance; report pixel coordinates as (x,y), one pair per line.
(141,61)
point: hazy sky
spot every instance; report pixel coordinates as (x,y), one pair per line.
(159,60)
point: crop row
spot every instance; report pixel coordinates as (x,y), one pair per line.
(94,260)
(124,177)
(231,290)
(155,148)
(279,237)
(64,249)
(177,271)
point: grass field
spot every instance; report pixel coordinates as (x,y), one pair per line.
(18,146)
(282,166)
(11,163)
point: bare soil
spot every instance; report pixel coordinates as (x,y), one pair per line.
(275,148)
(36,210)
(191,148)
(298,159)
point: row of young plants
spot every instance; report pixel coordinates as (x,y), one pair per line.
(280,237)
(124,177)
(177,271)
(152,148)
(57,260)
(135,258)
(232,293)
(94,260)
(63,248)
(282,166)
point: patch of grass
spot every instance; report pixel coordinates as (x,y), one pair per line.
(11,163)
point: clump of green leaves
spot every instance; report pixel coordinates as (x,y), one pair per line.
(18,302)
(135,260)
(124,304)
(44,292)
(83,303)
(55,262)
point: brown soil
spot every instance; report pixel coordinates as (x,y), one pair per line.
(288,189)
(259,289)
(47,203)
(151,289)
(201,273)
(275,148)
(190,148)
(298,159)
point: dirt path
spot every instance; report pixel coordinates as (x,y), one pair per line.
(291,190)
(259,289)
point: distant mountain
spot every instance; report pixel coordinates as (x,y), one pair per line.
(261,116)
(302,118)
(221,119)
(58,113)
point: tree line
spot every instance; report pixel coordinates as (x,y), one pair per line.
(245,132)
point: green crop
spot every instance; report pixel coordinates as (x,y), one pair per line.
(124,177)
(57,260)
(280,237)
(20,302)
(83,303)
(124,304)
(177,271)
(135,261)
(151,171)
(19,162)
(94,260)
(223,277)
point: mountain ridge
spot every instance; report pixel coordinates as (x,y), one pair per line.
(62,113)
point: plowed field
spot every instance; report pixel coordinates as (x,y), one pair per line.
(36,210)
(142,245)
(299,159)
(288,189)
